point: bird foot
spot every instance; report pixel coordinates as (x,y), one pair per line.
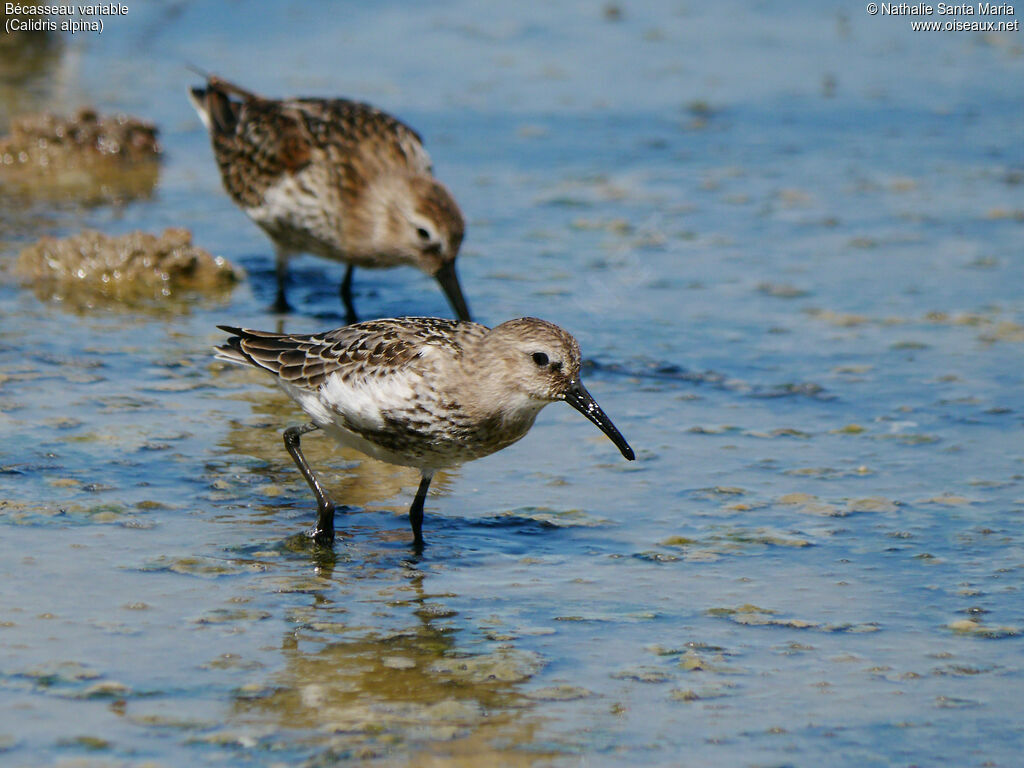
(323,537)
(323,532)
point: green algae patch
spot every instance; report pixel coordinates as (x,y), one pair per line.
(765,537)
(1006,331)
(809,504)
(657,557)
(231,615)
(88,158)
(948,500)
(135,270)
(695,657)
(429,611)
(725,541)
(679,541)
(169,722)
(232,661)
(872,504)
(104,689)
(780,432)
(560,693)
(91,743)
(694,660)
(643,674)
(911,438)
(203,567)
(960,670)
(840,319)
(971,628)
(59,673)
(782,290)
(745,608)
(829,473)
(728,490)
(704,693)
(69,680)
(556,518)
(849,429)
(753,616)
(22,513)
(796,498)
(506,665)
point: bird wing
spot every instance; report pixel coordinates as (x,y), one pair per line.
(373,350)
(378,386)
(351,132)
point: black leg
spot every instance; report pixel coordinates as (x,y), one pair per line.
(416,512)
(281,305)
(323,532)
(346,296)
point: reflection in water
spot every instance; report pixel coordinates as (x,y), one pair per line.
(51,163)
(85,159)
(385,692)
(135,271)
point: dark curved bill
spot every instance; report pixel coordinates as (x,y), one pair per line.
(581,400)
(450,285)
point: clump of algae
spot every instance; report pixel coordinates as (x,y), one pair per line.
(91,267)
(86,158)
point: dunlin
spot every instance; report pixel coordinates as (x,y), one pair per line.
(420,392)
(335,178)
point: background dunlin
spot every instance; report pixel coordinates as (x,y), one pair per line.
(335,178)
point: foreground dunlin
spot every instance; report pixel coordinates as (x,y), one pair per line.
(419,391)
(335,178)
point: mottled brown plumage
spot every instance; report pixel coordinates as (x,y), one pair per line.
(421,392)
(336,178)
(374,348)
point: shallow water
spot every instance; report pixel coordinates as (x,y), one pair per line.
(788,241)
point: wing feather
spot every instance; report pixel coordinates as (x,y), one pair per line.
(358,353)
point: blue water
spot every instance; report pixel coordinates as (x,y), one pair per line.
(788,240)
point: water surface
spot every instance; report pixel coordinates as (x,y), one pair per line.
(788,240)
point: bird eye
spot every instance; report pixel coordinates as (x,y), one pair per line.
(423,233)
(540,359)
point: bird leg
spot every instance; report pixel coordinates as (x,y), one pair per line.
(323,531)
(416,512)
(281,305)
(346,296)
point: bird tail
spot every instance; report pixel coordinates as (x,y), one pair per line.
(214,104)
(231,352)
(269,351)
